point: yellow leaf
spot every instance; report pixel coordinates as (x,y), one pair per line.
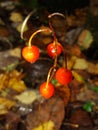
(12,80)
(81,64)
(16,17)
(18,86)
(78,77)
(4,79)
(6,103)
(70,62)
(27,97)
(45,126)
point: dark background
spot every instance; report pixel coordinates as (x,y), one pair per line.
(62,5)
(57,5)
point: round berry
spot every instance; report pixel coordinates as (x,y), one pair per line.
(54,50)
(30,53)
(63,76)
(47,90)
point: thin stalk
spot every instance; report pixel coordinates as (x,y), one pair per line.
(55,38)
(51,71)
(51,27)
(36,32)
(56,13)
(25,22)
(71,124)
(55,42)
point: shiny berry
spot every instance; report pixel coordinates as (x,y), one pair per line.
(63,76)
(54,50)
(47,90)
(30,53)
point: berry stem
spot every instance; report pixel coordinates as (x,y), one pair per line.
(55,42)
(51,71)
(56,13)
(54,35)
(53,32)
(51,27)
(36,32)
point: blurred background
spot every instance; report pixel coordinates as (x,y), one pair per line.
(73,106)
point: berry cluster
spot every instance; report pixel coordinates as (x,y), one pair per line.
(31,54)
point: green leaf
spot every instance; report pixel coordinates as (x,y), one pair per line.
(88,106)
(54,81)
(95,88)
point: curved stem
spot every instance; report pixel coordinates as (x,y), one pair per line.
(54,35)
(51,27)
(53,32)
(56,13)
(24,23)
(36,32)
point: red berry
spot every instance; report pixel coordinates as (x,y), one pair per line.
(54,50)
(46,90)
(30,53)
(64,76)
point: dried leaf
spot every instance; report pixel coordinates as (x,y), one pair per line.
(85,39)
(16,17)
(6,102)
(91,68)
(12,80)
(27,97)
(81,118)
(5,105)
(64,92)
(45,111)
(4,79)
(81,64)
(75,50)
(71,61)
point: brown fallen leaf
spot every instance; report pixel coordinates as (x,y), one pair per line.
(64,93)
(51,110)
(81,118)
